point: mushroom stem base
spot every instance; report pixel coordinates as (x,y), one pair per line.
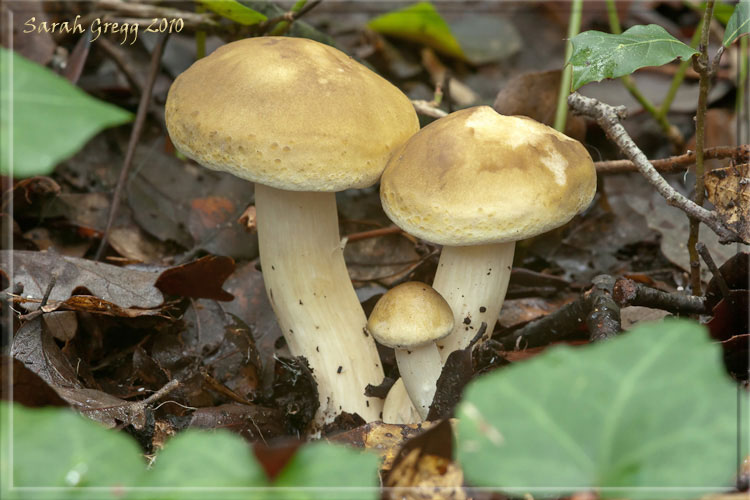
(420,369)
(473,280)
(313,298)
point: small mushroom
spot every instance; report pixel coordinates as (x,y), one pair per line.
(409,318)
(397,407)
(476,182)
(302,120)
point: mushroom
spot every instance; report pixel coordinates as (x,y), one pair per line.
(397,407)
(302,120)
(409,318)
(476,182)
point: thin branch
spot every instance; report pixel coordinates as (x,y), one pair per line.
(608,117)
(149,12)
(427,108)
(740,154)
(135,135)
(280,24)
(709,260)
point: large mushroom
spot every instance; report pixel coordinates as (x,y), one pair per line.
(476,182)
(302,120)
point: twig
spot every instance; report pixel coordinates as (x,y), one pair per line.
(48,291)
(373,233)
(608,117)
(135,135)
(285,21)
(627,292)
(280,24)
(148,12)
(740,154)
(113,53)
(701,65)
(169,387)
(703,251)
(427,108)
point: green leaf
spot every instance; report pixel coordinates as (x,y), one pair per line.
(44,118)
(652,408)
(739,23)
(598,55)
(329,472)
(722,11)
(55,447)
(235,11)
(209,460)
(419,23)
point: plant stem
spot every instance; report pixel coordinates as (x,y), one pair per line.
(703,67)
(281,28)
(574,26)
(200,36)
(680,75)
(742,133)
(669,130)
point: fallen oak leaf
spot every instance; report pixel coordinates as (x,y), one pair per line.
(124,287)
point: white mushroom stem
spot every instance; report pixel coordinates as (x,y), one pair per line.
(398,408)
(315,303)
(420,369)
(473,280)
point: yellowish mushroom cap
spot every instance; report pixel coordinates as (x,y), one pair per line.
(476,176)
(410,315)
(290,113)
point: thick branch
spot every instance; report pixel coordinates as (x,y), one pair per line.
(629,293)
(608,117)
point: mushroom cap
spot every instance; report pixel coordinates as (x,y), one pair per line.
(410,315)
(290,113)
(476,177)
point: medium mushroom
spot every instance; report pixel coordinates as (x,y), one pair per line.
(302,120)
(476,182)
(409,318)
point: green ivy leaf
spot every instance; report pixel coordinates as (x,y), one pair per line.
(51,119)
(211,461)
(55,447)
(722,11)
(652,408)
(598,55)
(329,472)
(235,11)
(419,23)
(739,23)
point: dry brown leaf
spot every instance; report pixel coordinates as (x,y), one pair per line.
(424,468)
(249,219)
(421,477)
(123,288)
(729,190)
(384,439)
(535,95)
